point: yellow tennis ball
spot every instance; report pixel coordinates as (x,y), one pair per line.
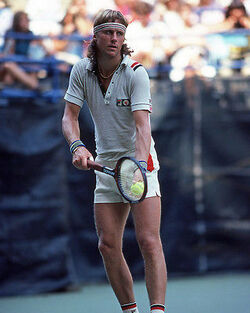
(137,188)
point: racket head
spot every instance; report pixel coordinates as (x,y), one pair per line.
(128,173)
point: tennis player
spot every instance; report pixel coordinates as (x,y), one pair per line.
(117,92)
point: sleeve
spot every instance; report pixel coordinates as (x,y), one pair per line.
(75,91)
(140,91)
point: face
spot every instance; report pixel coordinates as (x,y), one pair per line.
(237,13)
(110,41)
(24,22)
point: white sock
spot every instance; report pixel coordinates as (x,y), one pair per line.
(157,308)
(130,308)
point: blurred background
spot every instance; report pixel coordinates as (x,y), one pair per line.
(197,54)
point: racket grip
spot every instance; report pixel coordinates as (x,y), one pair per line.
(95,166)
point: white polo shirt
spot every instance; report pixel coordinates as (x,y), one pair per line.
(128,91)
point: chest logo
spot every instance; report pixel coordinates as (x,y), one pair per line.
(123,102)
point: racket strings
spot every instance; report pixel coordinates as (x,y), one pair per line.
(129,175)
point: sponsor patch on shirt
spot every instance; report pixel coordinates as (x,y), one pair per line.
(123,102)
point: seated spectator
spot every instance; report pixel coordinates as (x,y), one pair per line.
(236,16)
(93,7)
(6,17)
(148,38)
(44,15)
(210,13)
(64,49)
(191,32)
(11,72)
(75,22)
(171,16)
(84,24)
(228,48)
(125,7)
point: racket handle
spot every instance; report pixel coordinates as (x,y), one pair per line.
(95,166)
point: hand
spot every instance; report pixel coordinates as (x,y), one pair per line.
(244,21)
(137,177)
(80,158)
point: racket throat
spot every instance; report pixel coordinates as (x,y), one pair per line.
(108,171)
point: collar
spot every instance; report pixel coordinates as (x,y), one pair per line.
(124,63)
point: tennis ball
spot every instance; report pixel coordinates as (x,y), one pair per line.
(137,188)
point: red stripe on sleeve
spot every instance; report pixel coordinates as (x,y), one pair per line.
(134,64)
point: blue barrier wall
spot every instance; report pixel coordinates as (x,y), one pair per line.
(47,234)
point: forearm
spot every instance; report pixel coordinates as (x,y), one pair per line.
(143,142)
(71,132)
(70,129)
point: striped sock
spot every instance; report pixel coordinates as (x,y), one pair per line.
(157,308)
(129,308)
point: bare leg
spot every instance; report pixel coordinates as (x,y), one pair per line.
(147,216)
(19,74)
(110,219)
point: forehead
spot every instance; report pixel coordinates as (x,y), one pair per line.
(115,26)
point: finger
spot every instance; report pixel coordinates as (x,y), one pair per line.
(84,163)
(77,162)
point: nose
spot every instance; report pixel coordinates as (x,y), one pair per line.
(114,36)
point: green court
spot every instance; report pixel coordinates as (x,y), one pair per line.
(214,293)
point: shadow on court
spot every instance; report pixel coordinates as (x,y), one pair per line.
(217,293)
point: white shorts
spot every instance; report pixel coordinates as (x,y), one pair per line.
(106,190)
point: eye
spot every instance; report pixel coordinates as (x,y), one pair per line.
(120,33)
(108,32)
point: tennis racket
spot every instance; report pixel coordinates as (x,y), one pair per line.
(129,176)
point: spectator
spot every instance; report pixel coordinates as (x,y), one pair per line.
(171,16)
(125,7)
(190,32)
(210,13)
(64,49)
(6,17)
(236,16)
(148,38)
(93,7)
(84,23)
(228,49)
(44,15)
(10,71)
(75,22)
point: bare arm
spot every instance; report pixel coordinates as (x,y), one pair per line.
(143,135)
(71,132)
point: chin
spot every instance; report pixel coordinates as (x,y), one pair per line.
(113,54)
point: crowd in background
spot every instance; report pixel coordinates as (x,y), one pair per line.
(180,33)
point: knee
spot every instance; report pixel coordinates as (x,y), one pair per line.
(150,245)
(9,65)
(108,247)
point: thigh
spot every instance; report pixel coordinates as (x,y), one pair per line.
(110,220)
(106,190)
(147,217)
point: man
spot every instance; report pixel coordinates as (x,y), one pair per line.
(117,92)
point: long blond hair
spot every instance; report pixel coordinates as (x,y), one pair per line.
(104,17)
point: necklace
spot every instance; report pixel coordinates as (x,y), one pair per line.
(105,77)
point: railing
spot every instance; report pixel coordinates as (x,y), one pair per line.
(52,65)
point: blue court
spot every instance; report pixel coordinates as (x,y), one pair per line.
(217,293)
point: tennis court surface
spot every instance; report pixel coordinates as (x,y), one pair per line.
(213,293)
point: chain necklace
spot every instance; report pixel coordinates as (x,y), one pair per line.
(106,77)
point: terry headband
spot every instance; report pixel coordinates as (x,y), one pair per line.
(109,25)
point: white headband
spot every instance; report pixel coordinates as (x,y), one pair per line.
(112,25)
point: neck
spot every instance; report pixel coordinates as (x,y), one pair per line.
(108,67)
